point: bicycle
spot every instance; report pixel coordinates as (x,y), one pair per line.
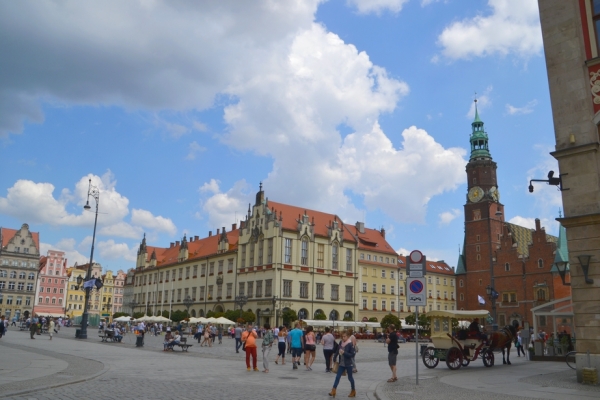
(571,359)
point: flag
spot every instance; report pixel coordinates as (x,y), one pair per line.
(495,294)
(481,300)
(89,284)
(98,284)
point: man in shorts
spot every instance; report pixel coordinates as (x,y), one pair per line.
(392,342)
(297,339)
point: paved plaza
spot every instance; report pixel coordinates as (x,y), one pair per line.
(68,368)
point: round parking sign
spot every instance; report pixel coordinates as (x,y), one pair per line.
(416,287)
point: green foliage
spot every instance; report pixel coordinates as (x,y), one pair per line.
(165,314)
(138,315)
(289,316)
(248,316)
(178,315)
(210,314)
(320,316)
(232,315)
(424,321)
(390,319)
(119,314)
(373,319)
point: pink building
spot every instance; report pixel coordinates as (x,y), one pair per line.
(51,285)
(118,291)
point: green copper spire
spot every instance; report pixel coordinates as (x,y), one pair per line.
(562,251)
(479,139)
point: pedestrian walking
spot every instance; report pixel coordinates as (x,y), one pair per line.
(281,339)
(220,334)
(328,342)
(238,337)
(249,341)
(310,347)
(51,326)
(355,344)
(297,343)
(344,355)
(519,345)
(267,344)
(207,333)
(392,345)
(33,327)
(2,327)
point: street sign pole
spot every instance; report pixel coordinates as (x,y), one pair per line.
(417,341)
(416,284)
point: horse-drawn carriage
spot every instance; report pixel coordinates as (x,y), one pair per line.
(459,348)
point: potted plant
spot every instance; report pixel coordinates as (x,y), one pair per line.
(564,343)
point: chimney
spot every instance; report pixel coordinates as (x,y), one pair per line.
(233,227)
(537,224)
(209,233)
(196,237)
(218,231)
(177,243)
(223,229)
(172,244)
(383,232)
(360,227)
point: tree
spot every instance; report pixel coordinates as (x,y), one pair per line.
(178,315)
(373,319)
(348,318)
(390,319)
(138,315)
(423,321)
(232,315)
(320,316)
(248,316)
(119,314)
(289,316)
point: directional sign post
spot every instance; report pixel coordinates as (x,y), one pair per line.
(416,288)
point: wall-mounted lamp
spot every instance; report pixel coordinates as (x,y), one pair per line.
(584,260)
(561,266)
(551,181)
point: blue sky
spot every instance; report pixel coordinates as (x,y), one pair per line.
(177,110)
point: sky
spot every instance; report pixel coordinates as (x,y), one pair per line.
(177,110)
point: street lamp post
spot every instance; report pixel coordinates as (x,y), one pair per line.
(241,301)
(187,302)
(275,311)
(95,193)
(133,304)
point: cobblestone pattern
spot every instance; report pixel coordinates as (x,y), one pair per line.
(431,388)
(565,380)
(79,368)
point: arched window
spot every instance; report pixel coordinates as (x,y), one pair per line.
(540,263)
(31,276)
(541,295)
(460,283)
(462,297)
(22,275)
(507,267)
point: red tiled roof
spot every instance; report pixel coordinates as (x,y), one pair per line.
(8,234)
(372,240)
(196,249)
(321,220)
(436,267)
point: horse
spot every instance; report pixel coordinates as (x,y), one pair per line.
(503,339)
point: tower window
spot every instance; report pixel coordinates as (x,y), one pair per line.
(478,257)
(478,238)
(474,181)
(540,263)
(477,248)
(507,267)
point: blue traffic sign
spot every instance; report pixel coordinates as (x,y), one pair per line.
(416,287)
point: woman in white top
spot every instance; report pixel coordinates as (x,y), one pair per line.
(281,336)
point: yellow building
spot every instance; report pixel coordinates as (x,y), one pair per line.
(379,280)
(280,257)
(441,287)
(75,296)
(107,301)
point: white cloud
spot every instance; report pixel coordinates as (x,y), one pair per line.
(194,149)
(68,246)
(551,226)
(223,209)
(377,6)
(112,251)
(145,219)
(527,109)
(138,55)
(403,252)
(512,28)
(448,216)
(483,101)
(122,229)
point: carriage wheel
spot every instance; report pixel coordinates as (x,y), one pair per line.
(466,362)
(429,358)
(488,358)
(454,358)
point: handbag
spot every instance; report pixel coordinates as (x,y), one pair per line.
(335,367)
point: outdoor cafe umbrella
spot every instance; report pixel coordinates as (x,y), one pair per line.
(124,318)
(224,321)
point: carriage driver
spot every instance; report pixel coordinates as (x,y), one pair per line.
(474,329)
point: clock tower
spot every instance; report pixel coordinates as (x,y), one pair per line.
(483,221)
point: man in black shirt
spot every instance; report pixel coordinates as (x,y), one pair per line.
(392,342)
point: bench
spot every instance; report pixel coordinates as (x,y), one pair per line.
(182,345)
(107,335)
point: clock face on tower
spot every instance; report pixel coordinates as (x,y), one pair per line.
(475,194)
(494,193)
